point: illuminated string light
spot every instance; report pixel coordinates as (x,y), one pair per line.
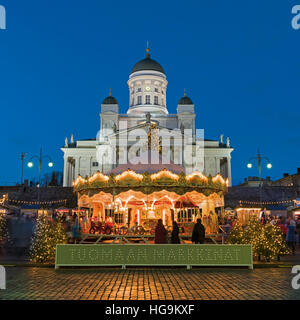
(78,181)
(98,176)
(196,174)
(129,174)
(219,178)
(164,174)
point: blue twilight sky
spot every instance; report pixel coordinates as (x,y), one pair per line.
(239,61)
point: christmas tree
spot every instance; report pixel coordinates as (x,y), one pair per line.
(266,240)
(47,235)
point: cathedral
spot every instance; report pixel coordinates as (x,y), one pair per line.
(116,147)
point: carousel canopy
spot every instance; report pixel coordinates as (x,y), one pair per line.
(148,183)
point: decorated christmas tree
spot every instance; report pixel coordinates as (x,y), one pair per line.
(236,234)
(47,235)
(266,240)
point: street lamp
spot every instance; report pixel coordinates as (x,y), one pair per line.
(259,159)
(23,155)
(40,159)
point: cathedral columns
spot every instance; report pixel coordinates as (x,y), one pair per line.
(218,169)
(229,170)
(77,166)
(66,170)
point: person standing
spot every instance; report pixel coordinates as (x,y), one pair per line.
(76,230)
(298,230)
(175,234)
(282,227)
(291,235)
(160,233)
(198,235)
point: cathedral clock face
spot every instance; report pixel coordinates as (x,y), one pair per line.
(147,88)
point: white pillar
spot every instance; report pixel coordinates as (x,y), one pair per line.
(229,170)
(66,170)
(77,166)
(218,165)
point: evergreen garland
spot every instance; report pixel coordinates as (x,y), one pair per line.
(47,235)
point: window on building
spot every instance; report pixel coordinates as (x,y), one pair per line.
(147,99)
(139,100)
(155,99)
(156,89)
(139,90)
(95,164)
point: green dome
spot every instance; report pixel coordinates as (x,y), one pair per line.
(110,100)
(147,64)
(185,100)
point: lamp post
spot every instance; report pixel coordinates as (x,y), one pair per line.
(40,159)
(259,159)
(23,155)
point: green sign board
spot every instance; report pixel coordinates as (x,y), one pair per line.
(153,255)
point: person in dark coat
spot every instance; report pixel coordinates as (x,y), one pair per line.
(198,235)
(175,234)
(160,233)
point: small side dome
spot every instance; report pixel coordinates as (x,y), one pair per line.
(110,99)
(185,99)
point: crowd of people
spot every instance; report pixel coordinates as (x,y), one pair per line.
(198,234)
(290,228)
(291,231)
(73,228)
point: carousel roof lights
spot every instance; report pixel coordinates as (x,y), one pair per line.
(164,174)
(227,182)
(98,176)
(196,174)
(79,180)
(148,183)
(129,174)
(219,178)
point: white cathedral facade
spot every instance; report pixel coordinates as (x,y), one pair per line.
(116,148)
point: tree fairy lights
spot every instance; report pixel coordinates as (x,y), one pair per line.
(266,240)
(45,238)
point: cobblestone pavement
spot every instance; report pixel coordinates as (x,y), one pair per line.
(145,284)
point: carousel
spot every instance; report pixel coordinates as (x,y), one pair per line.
(130,199)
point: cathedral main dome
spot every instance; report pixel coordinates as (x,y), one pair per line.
(147,64)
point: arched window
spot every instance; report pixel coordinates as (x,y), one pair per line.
(147,99)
